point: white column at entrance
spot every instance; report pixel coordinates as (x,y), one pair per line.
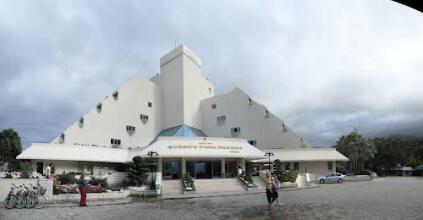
(160,165)
(183,166)
(243,164)
(223,167)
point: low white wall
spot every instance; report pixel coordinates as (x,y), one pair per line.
(6,184)
(315,169)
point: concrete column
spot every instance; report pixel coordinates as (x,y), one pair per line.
(183,166)
(223,167)
(160,165)
(334,166)
(243,164)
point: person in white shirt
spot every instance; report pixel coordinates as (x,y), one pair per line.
(48,171)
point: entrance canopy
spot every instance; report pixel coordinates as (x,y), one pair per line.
(304,154)
(44,151)
(202,147)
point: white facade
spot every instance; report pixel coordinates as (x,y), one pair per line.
(178,101)
(180,94)
(254,120)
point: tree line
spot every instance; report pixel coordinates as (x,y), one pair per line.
(10,148)
(383,155)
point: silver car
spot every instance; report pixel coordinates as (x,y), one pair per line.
(332,177)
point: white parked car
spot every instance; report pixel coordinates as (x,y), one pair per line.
(332,177)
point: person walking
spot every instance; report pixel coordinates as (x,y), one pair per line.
(82,190)
(275,188)
(269,190)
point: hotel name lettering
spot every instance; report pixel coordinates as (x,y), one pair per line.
(233,149)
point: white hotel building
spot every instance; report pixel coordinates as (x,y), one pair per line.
(177,114)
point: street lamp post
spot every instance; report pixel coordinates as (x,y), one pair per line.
(269,154)
(151,154)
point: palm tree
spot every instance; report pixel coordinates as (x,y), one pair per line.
(357,148)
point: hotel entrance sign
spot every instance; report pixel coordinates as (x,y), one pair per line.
(233,149)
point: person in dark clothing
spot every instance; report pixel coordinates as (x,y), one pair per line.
(269,190)
(82,190)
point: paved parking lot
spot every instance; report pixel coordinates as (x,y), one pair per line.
(383,198)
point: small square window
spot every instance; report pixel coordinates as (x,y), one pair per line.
(221,118)
(150,104)
(213,106)
(130,128)
(115,142)
(115,95)
(99,107)
(144,118)
(235,131)
(253,142)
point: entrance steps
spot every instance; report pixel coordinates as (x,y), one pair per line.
(171,187)
(203,186)
(218,185)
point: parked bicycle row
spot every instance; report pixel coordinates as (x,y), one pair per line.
(25,197)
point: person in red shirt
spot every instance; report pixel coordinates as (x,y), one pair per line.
(83,190)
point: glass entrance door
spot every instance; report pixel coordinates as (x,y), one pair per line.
(204,169)
(171,169)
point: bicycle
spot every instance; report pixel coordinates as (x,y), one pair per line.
(21,202)
(11,198)
(31,197)
(40,199)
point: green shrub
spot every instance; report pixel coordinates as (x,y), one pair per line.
(138,171)
(98,181)
(187,178)
(67,178)
(26,170)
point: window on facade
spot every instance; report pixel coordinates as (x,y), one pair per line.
(266,113)
(81,121)
(221,118)
(150,104)
(210,90)
(287,166)
(144,118)
(330,165)
(115,142)
(62,138)
(250,102)
(130,128)
(284,128)
(253,142)
(235,131)
(296,166)
(115,95)
(213,106)
(99,107)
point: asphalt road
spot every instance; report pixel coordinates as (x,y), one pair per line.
(383,198)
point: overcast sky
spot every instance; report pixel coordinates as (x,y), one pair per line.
(324,67)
